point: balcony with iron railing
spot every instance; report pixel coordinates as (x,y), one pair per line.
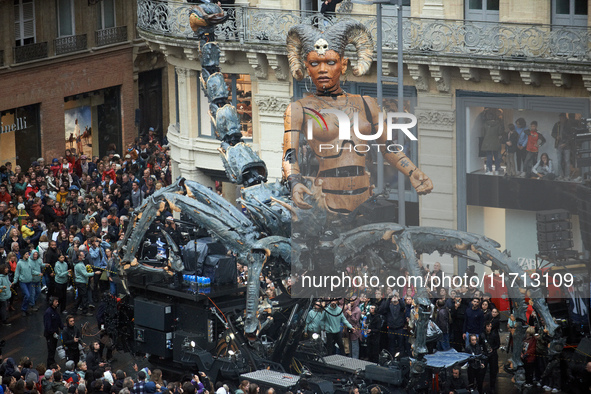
(30,52)
(111,35)
(167,22)
(70,44)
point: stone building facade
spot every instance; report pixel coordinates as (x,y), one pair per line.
(67,59)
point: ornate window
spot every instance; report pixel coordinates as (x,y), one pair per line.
(482,10)
(65,18)
(569,12)
(24,22)
(106,14)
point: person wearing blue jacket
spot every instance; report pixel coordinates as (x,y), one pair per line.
(333,318)
(81,276)
(62,274)
(98,261)
(23,275)
(37,266)
(5,294)
(521,153)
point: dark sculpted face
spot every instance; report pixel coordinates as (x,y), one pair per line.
(326,70)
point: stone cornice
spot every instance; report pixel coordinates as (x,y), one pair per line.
(271,104)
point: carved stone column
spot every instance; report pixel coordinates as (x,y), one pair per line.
(187,101)
(437,158)
(271,103)
(436,125)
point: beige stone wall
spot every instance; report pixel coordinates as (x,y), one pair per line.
(525,11)
(454,9)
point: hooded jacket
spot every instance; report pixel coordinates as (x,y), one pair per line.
(23,272)
(5,284)
(36,269)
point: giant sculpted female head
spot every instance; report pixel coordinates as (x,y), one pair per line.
(322,53)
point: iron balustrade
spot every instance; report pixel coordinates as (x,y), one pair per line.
(30,52)
(111,35)
(70,44)
(494,40)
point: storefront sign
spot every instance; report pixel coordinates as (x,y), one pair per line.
(20,124)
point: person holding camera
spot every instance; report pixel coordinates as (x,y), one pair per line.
(455,382)
(71,338)
(476,363)
(491,342)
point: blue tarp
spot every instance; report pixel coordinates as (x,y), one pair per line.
(446,359)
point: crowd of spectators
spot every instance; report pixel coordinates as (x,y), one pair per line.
(61,219)
(518,144)
(463,318)
(92,377)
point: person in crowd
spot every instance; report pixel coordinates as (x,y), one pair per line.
(374,325)
(492,133)
(563,141)
(455,382)
(535,140)
(333,318)
(473,320)
(72,339)
(5,294)
(315,319)
(137,195)
(37,268)
(328,8)
(544,168)
(62,274)
(394,312)
(476,363)
(52,323)
(521,153)
(93,357)
(24,277)
(443,321)
(50,258)
(353,316)
(81,277)
(528,355)
(484,305)
(541,361)
(491,343)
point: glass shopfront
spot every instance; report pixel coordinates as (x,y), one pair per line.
(20,137)
(92,122)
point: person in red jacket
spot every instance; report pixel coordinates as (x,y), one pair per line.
(528,355)
(4,195)
(534,140)
(55,167)
(109,174)
(31,187)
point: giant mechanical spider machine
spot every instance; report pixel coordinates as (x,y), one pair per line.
(261,238)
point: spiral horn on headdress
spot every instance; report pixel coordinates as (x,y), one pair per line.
(295,43)
(357,34)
